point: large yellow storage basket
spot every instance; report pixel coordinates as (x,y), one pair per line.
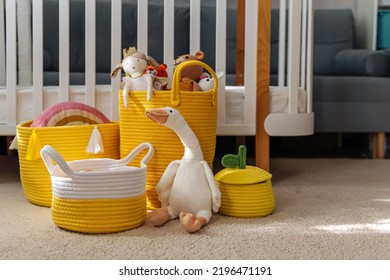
(70,141)
(98,195)
(198,108)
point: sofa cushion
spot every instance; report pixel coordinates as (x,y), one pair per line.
(362,62)
(333,32)
(351,89)
(387,51)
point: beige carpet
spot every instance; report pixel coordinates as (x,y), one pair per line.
(325,209)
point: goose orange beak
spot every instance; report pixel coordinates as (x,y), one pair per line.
(158,115)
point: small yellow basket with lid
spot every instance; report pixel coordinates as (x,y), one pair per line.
(246,191)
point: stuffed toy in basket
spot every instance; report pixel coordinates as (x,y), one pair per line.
(99,195)
(199,108)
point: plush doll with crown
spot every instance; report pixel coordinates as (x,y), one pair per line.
(134,64)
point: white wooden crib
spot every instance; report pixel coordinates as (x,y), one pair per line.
(253,109)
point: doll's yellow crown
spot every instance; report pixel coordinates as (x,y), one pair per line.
(129,51)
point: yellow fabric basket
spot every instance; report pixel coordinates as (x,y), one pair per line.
(70,141)
(198,108)
(245,193)
(98,195)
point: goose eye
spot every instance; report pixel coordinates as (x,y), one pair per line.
(170,111)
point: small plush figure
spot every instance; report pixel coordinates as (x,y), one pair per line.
(134,64)
(188,188)
(190,75)
(206,82)
(151,70)
(161,80)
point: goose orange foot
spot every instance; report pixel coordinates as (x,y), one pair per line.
(191,223)
(158,217)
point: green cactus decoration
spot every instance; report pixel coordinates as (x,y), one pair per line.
(233,161)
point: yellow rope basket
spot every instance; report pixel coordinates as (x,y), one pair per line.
(246,191)
(70,141)
(98,195)
(99,216)
(198,108)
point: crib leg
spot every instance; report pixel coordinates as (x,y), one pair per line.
(378,141)
(240,42)
(240,140)
(374,146)
(263,83)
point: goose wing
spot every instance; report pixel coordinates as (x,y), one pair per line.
(215,192)
(163,187)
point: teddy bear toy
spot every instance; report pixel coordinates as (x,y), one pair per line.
(191,74)
(134,64)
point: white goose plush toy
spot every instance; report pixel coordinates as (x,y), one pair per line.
(187,189)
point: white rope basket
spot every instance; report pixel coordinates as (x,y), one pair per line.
(98,195)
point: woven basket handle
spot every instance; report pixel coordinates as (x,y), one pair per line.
(175,92)
(48,153)
(126,160)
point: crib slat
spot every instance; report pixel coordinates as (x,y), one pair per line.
(64,50)
(282,43)
(303,43)
(240,42)
(11,62)
(169,36)
(2,45)
(220,57)
(90,52)
(250,61)
(37,57)
(194,26)
(116,43)
(294,55)
(220,33)
(309,61)
(142,26)
(24,42)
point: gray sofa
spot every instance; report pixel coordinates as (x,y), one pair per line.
(350,88)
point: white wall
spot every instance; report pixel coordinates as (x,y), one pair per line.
(366,23)
(327,4)
(384,2)
(336,4)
